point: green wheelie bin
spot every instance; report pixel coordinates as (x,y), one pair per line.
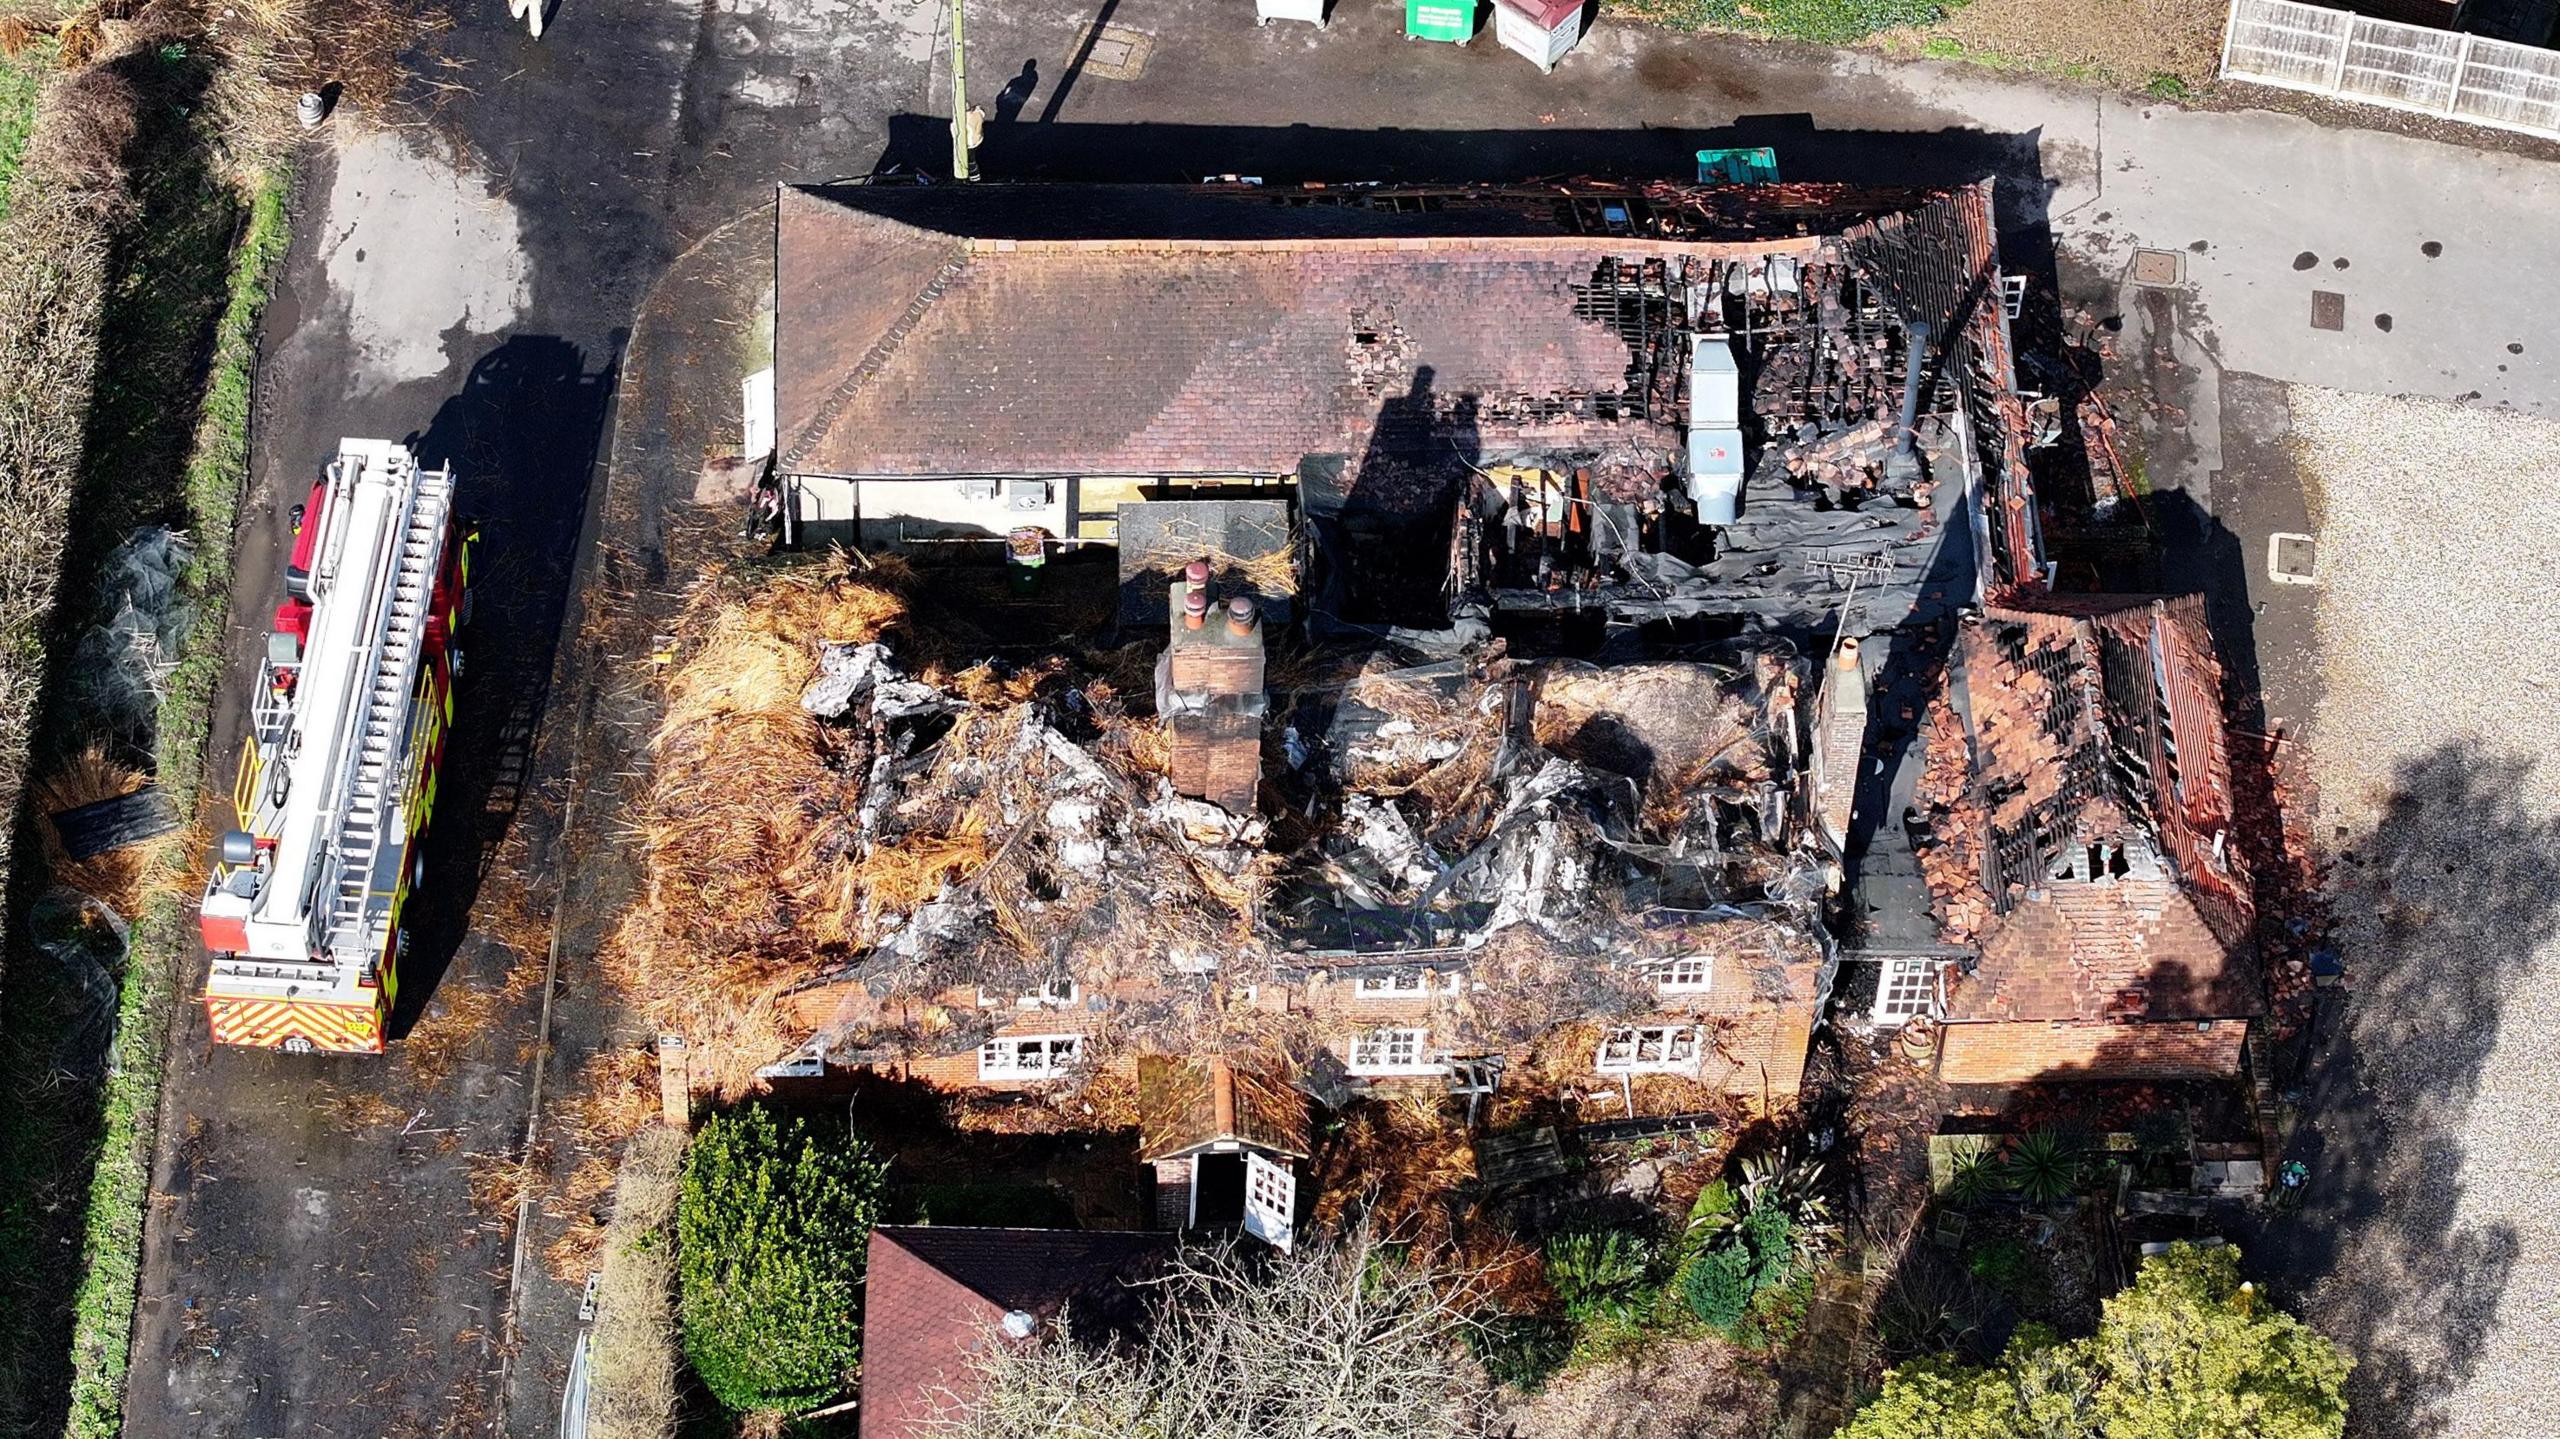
(1452,20)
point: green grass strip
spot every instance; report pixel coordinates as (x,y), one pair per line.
(21,81)
(120,1189)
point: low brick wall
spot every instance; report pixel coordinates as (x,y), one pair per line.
(2020,1051)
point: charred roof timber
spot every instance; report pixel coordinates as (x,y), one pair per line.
(1417,337)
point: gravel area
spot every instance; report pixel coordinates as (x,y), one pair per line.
(2431,1242)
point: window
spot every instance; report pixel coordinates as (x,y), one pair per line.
(1688,974)
(1030,1056)
(1648,1047)
(1391,1051)
(1055,994)
(1908,989)
(1402,984)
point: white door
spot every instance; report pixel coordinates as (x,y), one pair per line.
(1270,1201)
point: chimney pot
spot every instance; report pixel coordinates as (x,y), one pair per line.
(1196,576)
(1195,609)
(1240,616)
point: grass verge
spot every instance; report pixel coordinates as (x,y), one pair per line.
(119,1188)
(21,80)
(1820,22)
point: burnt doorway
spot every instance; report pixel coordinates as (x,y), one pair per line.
(1217,1194)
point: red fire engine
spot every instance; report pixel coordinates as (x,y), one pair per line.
(347,726)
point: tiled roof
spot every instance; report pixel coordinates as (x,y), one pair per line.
(1143,330)
(932,1295)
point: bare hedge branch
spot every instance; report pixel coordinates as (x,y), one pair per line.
(1347,1340)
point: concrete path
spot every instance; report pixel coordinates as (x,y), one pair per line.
(309,1273)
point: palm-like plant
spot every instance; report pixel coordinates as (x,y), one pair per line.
(1771,1184)
(1976,1177)
(2043,1166)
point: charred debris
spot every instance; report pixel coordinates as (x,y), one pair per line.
(1529,691)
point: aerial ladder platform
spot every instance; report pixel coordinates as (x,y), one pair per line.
(348,719)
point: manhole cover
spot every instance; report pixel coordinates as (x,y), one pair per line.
(2328,310)
(2292,559)
(2155,267)
(1115,52)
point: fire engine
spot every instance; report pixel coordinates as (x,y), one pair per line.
(347,725)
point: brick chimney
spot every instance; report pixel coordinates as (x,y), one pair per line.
(1209,688)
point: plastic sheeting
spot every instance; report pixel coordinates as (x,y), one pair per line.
(125,658)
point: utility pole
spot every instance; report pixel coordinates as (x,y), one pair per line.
(964,123)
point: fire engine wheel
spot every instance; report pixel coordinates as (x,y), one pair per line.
(453,662)
(417,873)
(295,1044)
(462,611)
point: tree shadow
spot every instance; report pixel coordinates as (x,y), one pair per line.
(2437,903)
(2456,877)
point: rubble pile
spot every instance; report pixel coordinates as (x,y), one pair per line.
(842,834)
(1956,829)
(816,813)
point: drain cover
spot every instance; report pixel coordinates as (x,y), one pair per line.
(2292,559)
(1114,52)
(2155,267)
(2328,310)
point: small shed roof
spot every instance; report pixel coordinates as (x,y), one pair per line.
(1189,1105)
(933,1294)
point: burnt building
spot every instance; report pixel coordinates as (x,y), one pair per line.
(1627,527)
(2081,846)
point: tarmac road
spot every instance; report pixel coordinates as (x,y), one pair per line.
(313,1268)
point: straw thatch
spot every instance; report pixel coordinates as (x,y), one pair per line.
(834,878)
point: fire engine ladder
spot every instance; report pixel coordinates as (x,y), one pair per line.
(381,750)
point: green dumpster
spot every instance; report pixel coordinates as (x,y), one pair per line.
(1451,20)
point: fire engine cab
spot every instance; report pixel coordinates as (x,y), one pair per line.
(347,725)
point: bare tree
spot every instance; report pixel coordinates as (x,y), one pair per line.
(1347,1340)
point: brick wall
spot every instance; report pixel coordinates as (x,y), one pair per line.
(1757,1025)
(2016,1052)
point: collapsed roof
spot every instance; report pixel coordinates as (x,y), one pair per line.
(2080,815)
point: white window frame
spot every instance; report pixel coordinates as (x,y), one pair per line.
(1650,1049)
(1906,989)
(1394,1049)
(1047,996)
(1010,1056)
(1671,976)
(1396,985)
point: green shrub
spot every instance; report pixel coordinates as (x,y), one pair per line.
(2004,1265)
(1598,1271)
(2164,86)
(1719,1282)
(2186,1351)
(770,1233)
(1521,1350)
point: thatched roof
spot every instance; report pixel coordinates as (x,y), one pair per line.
(1189,1105)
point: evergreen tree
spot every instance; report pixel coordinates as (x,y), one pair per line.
(770,1237)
